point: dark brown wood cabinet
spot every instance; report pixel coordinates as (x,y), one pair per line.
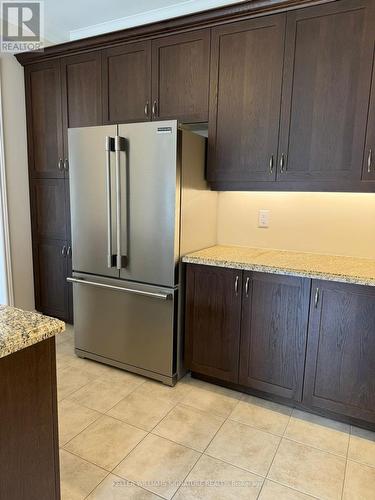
(309,343)
(340,368)
(29,451)
(327,77)
(43,107)
(293,116)
(49,208)
(246,76)
(213,317)
(81,91)
(127,83)
(51,271)
(275,312)
(180,76)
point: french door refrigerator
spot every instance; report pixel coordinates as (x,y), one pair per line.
(138,202)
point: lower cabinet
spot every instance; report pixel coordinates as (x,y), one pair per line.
(213,321)
(275,312)
(51,269)
(340,367)
(309,342)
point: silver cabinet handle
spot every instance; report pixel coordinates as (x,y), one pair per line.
(60,164)
(271,164)
(63,251)
(282,163)
(69,251)
(66,164)
(154,108)
(247,286)
(316,298)
(109,146)
(146,108)
(163,296)
(236,285)
(369,161)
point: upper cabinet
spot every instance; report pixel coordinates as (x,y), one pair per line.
(246,76)
(127,83)
(180,76)
(81,90)
(327,77)
(291,114)
(369,156)
(43,104)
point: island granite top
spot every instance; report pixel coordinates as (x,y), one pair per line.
(20,329)
(310,265)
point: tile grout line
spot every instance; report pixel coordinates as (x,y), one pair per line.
(346,463)
(203,452)
(277,449)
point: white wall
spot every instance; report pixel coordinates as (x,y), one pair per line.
(15,145)
(329,223)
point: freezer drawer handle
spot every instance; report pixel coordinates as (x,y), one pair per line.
(109,146)
(163,296)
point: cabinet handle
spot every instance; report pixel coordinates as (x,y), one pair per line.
(60,164)
(146,108)
(63,251)
(66,164)
(271,165)
(282,164)
(369,161)
(247,286)
(155,108)
(69,251)
(236,285)
(316,298)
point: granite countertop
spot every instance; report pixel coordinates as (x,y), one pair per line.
(310,265)
(20,329)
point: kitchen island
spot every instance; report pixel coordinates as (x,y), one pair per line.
(29,462)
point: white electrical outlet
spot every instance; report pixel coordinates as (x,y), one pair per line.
(264,218)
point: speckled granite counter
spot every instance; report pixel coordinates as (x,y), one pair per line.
(327,267)
(20,329)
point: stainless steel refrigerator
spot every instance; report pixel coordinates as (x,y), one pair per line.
(138,203)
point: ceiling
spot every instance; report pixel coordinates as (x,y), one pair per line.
(73,19)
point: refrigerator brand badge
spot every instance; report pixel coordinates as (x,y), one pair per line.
(164,130)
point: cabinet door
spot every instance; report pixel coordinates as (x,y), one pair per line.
(246,69)
(273,333)
(180,76)
(81,90)
(49,208)
(43,105)
(50,263)
(127,83)
(340,368)
(369,156)
(213,315)
(327,74)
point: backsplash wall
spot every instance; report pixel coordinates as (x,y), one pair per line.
(330,223)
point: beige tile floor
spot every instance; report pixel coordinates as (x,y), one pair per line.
(125,437)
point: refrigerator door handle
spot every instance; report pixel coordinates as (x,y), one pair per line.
(109,146)
(163,296)
(121,261)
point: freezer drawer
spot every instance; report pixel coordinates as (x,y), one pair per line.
(126,324)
